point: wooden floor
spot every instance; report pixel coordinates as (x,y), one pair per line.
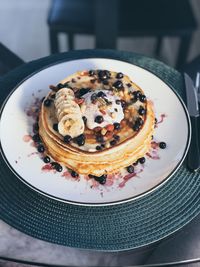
(23,29)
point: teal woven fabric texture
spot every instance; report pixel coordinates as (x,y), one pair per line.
(110,228)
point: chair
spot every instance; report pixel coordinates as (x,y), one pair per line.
(8,60)
(192,67)
(158,18)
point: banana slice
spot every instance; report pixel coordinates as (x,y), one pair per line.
(67,110)
(62,99)
(64,92)
(67,105)
(71,124)
(68,113)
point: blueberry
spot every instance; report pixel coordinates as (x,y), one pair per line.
(74,174)
(107,101)
(82,92)
(67,139)
(142,98)
(103,74)
(58,167)
(162,145)
(119,75)
(67,85)
(100,138)
(99,119)
(139,121)
(55,127)
(36,138)
(130,169)
(118,84)
(84,119)
(113,142)
(47,102)
(142,160)
(105,82)
(60,86)
(117,126)
(129,85)
(101,179)
(136,95)
(98,148)
(101,94)
(35,127)
(136,127)
(116,137)
(46,159)
(123,103)
(41,148)
(133,100)
(93,97)
(80,140)
(54,164)
(141,110)
(91,72)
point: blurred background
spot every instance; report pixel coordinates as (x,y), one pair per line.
(149,27)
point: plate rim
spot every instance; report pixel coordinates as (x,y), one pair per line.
(100,204)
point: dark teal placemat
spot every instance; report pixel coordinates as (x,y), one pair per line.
(118,227)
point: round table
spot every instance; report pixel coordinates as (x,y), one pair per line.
(183,245)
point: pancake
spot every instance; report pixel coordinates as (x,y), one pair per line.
(96,122)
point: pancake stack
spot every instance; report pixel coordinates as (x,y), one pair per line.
(96,122)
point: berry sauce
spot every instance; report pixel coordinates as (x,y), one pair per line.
(127,177)
(162,117)
(48,167)
(27,138)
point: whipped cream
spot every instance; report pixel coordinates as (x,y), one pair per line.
(103,106)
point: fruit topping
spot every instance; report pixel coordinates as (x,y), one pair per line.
(46,159)
(60,86)
(141,110)
(118,84)
(103,74)
(113,142)
(74,174)
(80,140)
(99,119)
(67,139)
(130,169)
(142,98)
(41,148)
(47,102)
(117,126)
(119,75)
(55,127)
(162,145)
(142,160)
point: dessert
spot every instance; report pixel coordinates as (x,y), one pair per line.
(95,123)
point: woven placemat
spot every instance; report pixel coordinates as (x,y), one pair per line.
(119,227)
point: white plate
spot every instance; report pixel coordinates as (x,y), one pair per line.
(20,156)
